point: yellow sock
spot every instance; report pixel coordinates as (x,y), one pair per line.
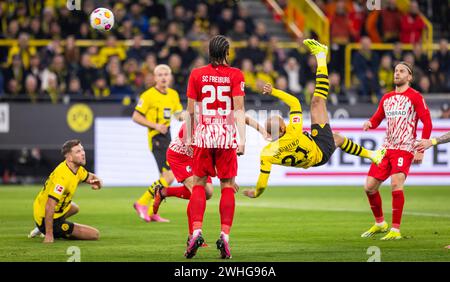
(322,82)
(354,149)
(145,199)
(151,189)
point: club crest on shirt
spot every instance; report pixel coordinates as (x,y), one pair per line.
(59,189)
(188,169)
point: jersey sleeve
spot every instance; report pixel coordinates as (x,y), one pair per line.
(143,104)
(56,189)
(264,173)
(295,114)
(423,113)
(191,88)
(238,84)
(379,115)
(83,174)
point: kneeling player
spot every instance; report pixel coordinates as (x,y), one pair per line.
(292,147)
(53,205)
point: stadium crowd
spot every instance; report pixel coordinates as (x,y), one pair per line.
(62,71)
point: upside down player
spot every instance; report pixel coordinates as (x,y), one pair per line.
(291,146)
(402,108)
(216,98)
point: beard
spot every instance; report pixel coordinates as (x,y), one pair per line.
(400,83)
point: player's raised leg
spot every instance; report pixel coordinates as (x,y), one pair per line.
(352,148)
(319,114)
(373,195)
(398,201)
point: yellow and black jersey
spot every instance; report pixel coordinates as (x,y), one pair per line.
(60,186)
(295,148)
(158,107)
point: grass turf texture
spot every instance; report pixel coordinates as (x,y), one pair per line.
(284,224)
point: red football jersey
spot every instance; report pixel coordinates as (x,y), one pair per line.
(213,89)
(402,112)
(179,146)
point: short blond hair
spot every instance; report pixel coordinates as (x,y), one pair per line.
(160,67)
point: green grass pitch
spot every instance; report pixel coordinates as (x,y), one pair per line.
(284,224)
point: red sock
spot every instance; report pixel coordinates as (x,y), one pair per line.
(376,206)
(398,201)
(180,192)
(227,204)
(197,206)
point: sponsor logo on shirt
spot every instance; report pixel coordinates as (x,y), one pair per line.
(396,113)
(59,189)
(296,119)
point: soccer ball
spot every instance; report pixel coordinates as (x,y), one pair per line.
(102,19)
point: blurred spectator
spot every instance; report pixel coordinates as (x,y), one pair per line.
(153,9)
(365,67)
(424,85)
(386,74)
(261,32)
(281,83)
(51,88)
(173,29)
(121,89)
(31,88)
(178,73)
(71,53)
(249,25)
(338,93)
(420,57)
(139,19)
(21,49)
(186,52)
(412,25)
(74,89)
(252,51)
(357,16)
(15,71)
(112,48)
(443,57)
(13,88)
(13,29)
(437,79)
(409,58)
(266,73)
(137,51)
(35,30)
(86,73)
(133,73)
(308,71)
(201,17)
(182,18)
(292,72)
(59,67)
(276,54)
(238,33)
(249,75)
(149,65)
(225,21)
(397,53)
(100,88)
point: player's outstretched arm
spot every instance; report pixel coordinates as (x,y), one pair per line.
(425,144)
(263,179)
(95,182)
(290,100)
(253,123)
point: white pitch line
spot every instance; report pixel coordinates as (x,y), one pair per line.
(291,207)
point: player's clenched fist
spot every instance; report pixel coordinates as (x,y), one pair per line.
(251,193)
(267,89)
